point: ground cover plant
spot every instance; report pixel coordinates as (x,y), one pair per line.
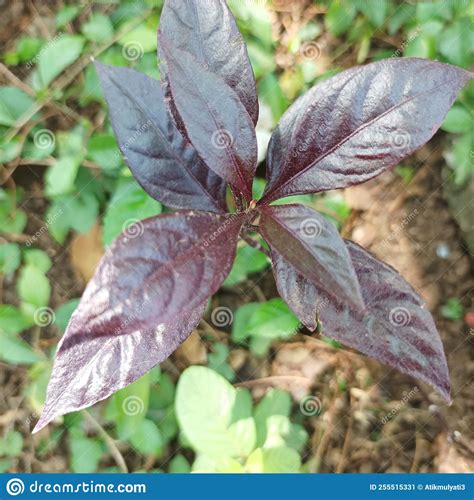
(190,139)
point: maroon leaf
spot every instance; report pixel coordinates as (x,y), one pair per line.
(210,34)
(161,160)
(146,296)
(396,329)
(359,123)
(216,122)
(308,241)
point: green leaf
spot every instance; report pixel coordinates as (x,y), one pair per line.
(162,395)
(179,465)
(61,176)
(147,439)
(56,56)
(13,104)
(103,150)
(275,402)
(129,204)
(64,312)
(10,257)
(376,12)
(272,319)
(98,29)
(142,39)
(457,120)
(460,158)
(452,309)
(456,42)
(27,48)
(402,15)
(12,444)
(33,286)
(241,320)
(16,351)
(37,258)
(339,17)
(248,260)
(131,406)
(274,460)
(204,408)
(66,15)
(12,320)
(270,91)
(12,219)
(281,432)
(85,454)
(217,361)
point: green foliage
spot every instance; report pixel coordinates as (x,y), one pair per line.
(10,257)
(220,425)
(263,322)
(128,205)
(248,260)
(452,309)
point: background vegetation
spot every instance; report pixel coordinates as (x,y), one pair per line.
(298,403)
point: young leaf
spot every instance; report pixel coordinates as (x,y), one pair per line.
(306,240)
(396,328)
(358,124)
(215,120)
(162,161)
(149,291)
(210,34)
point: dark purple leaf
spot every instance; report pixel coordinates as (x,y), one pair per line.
(208,31)
(161,160)
(146,296)
(216,122)
(396,329)
(359,123)
(308,241)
